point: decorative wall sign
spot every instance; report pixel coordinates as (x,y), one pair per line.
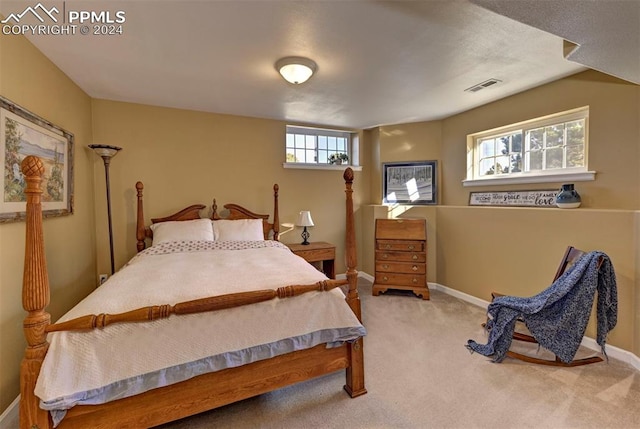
(541,198)
(23,133)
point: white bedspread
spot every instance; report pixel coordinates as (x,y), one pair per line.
(79,366)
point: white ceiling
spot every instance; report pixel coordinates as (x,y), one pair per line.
(379,62)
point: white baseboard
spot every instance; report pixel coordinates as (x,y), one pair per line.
(362,274)
(366,276)
(590,343)
(461,295)
(10,418)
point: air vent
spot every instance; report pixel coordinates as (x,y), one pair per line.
(483,85)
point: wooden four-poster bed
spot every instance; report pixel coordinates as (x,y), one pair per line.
(201,390)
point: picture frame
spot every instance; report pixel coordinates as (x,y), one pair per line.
(23,133)
(410,182)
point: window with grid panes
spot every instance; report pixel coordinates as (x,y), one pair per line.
(316,145)
(552,145)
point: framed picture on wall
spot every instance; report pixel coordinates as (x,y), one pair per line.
(23,133)
(412,182)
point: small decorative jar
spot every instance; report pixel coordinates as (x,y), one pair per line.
(568,198)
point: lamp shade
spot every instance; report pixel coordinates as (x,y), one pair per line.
(105,150)
(304,219)
(296,70)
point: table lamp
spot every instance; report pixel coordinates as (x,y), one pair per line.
(304,220)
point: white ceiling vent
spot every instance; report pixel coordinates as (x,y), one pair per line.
(483,85)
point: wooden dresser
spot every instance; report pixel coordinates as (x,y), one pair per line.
(401,256)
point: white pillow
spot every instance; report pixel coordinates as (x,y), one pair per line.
(183,230)
(238,230)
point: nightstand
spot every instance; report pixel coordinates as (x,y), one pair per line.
(318,252)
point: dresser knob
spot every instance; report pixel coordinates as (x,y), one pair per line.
(411,247)
(385,266)
(415,280)
(388,246)
(385,256)
(414,257)
(414,268)
(385,278)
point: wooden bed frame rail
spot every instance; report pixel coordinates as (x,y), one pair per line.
(200,393)
(201,305)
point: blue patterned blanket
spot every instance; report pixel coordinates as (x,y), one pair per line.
(558,316)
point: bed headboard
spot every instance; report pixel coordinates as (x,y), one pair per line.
(235,211)
(238,212)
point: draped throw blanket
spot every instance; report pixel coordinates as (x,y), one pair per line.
(558,316)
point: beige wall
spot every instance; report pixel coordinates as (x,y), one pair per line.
(407,142)
(30,80)
(185,157)
(480,251)
(393,143)
(606,220)
(516,250)
(614,146)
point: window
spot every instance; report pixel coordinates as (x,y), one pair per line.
(316,146)
(539,150)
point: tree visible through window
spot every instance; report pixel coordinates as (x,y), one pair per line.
(501,155)
(553,144)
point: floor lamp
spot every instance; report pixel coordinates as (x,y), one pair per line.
(107,152)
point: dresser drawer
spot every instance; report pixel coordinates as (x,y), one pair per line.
(400,229)
(314,255)
(418,280)
(382,255)
(401,245)
(401,267)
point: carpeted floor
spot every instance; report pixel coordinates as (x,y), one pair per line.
(420,375)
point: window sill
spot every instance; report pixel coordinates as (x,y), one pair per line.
(302,166)
(546,178)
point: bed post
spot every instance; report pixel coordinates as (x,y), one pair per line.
(276,217)
(355,371)
(35,298)
(140,230)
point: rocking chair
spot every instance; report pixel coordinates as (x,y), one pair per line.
(571,255)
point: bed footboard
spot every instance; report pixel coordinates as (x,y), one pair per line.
(186,398)
(35,298)
(355,370)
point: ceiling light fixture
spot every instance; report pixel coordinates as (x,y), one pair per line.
(296,70)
